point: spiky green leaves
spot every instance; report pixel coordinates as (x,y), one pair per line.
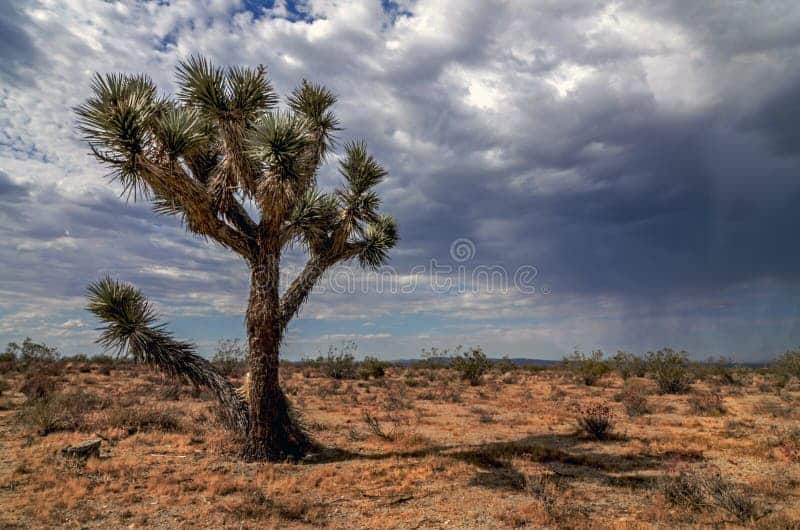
(180,132)
(240,93)
(379,237)
(126,314)
(360,169)
(311,220)
(314,102)
(202,85)
(358,200)
(277,141)
(117,122)
(250,91)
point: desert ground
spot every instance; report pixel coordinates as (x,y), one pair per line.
(417,448)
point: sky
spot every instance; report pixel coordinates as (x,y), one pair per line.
(565,173)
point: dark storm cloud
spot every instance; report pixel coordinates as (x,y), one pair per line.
(642,155)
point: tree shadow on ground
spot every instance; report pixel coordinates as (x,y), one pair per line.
(567,457)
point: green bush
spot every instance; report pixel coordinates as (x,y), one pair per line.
(787,365)
(340,362)
(372,367)
(589,369)
(30,353)
(629,365)
(670,369)
(471,365)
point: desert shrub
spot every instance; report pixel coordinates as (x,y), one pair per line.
(556,393)
(412,382)
(103,359)
(629,365)
(588,368)
(8,356)
(340,362)
(230,357)
(375,427)
(707,404)
(774,408)
(37,385)
(372,367)
(700,491)
(4,385)
(787,365)
(789,445)
(738,428)
(504,365)
(31,352)
(57,411)
(723,371)
(670,369)
(471,365)
(634,398)
(435,358)
(684,490)
(596,421)
(734,499)
(42,415)
(143,418)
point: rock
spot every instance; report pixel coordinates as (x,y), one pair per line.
(83,449)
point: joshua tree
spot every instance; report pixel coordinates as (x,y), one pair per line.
(219,145)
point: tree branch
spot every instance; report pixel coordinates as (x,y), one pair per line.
(300,288)
(190,198)
(298,291)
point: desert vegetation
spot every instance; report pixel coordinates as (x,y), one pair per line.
(452,439)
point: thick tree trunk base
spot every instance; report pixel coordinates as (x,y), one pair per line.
(283,440)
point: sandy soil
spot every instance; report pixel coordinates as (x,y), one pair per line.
(441,454)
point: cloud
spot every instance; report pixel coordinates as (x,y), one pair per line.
(641,154)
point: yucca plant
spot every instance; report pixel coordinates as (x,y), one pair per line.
(221,144)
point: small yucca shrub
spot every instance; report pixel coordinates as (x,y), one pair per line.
(596,421)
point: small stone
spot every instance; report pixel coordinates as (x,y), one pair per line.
(83,449)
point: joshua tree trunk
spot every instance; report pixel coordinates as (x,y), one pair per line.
(272,432)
